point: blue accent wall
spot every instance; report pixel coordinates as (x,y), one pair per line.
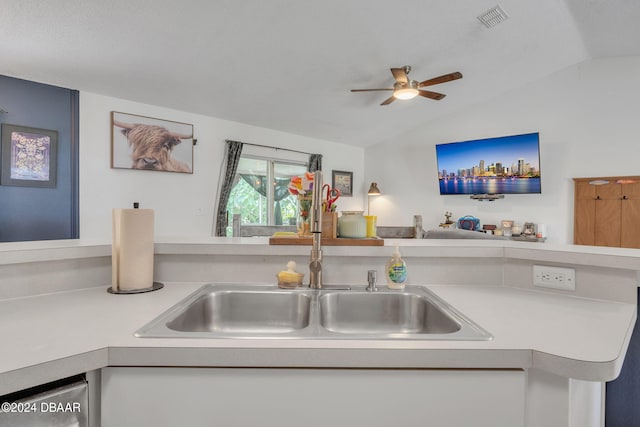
(28,213)
(622,408)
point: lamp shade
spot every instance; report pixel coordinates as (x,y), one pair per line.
(374,190)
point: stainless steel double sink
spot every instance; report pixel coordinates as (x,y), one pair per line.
(264,311)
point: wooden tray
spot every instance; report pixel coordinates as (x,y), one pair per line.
(373,241)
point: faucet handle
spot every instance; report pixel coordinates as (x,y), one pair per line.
(372,277)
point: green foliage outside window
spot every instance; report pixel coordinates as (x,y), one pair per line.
(252,206)
(247,202)
(256,181)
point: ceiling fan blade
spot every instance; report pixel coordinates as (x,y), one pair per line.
(400,75)
(388,101)
(431,95)
(368,90)
(442,79)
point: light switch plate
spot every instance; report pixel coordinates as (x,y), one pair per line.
(554,277)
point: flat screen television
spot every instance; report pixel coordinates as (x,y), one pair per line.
(503,165)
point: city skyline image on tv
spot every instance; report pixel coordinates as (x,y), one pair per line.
(501,165)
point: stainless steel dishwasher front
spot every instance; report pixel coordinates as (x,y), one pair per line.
(64,405)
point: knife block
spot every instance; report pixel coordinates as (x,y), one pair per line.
(329,225)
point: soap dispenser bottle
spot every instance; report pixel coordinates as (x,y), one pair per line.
(396,271)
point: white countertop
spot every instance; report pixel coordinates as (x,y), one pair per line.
(53,250)
(51,336)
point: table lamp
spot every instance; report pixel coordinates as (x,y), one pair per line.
(373,191)
(371,220)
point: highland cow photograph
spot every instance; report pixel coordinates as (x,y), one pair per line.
(145,143)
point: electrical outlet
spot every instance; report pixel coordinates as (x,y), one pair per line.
(554,277)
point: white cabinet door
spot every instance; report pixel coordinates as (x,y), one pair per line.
(311,397)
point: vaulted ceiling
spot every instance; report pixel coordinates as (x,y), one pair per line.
(289,64)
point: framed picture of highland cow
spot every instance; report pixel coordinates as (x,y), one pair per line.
(29,156)
(145,143)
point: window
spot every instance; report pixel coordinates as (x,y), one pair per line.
(259,203)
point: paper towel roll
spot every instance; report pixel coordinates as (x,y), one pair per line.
(132,249)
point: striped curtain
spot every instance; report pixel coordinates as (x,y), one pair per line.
(233,151)
(315,162)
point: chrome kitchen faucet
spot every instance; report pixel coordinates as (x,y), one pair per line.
(315,264)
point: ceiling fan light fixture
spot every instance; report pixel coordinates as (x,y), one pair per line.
(407,90)
(404,88)
(405,93)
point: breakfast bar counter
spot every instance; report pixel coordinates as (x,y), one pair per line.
(57,319)
(49,336)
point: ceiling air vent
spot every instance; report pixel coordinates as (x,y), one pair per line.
(493,17)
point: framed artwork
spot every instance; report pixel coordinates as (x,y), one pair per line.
(29,156)
(145,143)
(343,181)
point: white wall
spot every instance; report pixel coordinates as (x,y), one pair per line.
(183,203)
(587,116)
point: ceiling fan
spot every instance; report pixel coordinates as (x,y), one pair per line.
(404,88)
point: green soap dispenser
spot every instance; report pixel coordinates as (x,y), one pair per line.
(396,271)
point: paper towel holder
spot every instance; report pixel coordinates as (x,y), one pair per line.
(115,286)
(154,287)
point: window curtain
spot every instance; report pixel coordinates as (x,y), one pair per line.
(233,151)
(280,191)
(315,162)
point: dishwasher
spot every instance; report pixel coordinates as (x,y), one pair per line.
(61,403)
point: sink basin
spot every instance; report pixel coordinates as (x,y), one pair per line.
(383,313)
(264,311)
(244,312)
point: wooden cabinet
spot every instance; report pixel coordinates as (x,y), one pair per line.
(584,224)
(607,212)
(630,216)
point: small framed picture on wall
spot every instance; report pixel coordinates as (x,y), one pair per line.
(29,156)
(343,181)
